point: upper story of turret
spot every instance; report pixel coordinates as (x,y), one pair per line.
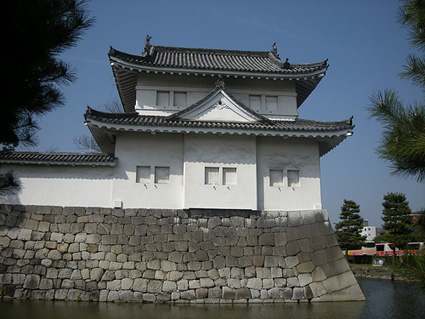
(165,80)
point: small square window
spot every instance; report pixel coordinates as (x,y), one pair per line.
(276,177)
(255,102)
(180,99)
(162,175)
(162,98)
(293,178)
(271,103)
(143,174)
(229,176)
(211,176)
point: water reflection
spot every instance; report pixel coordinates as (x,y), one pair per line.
(384,300)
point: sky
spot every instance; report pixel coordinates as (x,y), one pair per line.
(365,45)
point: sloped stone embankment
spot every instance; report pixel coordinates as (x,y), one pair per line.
(100,254)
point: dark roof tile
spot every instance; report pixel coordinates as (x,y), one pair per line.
(218,60)
(53,158)
(297,125)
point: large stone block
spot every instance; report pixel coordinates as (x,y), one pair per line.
(295,219)
(305,267)
(96,274)
(154,286)
(228,293)
(243,293)
(169,286)
(214,293)
(291,261)
(267,239)
(140,285)
(305,279)
(271,261)
(274,293)
(245,261)
(317,289)
(258,261)
(201,293)
(32,282)
(293,248)
(236,251)
(188,295)
(93,238)
(206,282)
(298,293)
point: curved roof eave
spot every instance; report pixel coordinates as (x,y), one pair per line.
(327,140)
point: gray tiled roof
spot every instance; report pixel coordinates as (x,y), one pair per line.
(57,158)
(218,60)
(298,125)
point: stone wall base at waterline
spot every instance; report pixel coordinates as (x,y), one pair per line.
(164,255)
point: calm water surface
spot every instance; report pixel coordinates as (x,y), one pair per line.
(384,300)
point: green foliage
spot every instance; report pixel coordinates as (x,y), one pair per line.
(419,227)
(412,16)
(397,220)
(349,228)
(415,263)
(403,141)
(37,32)
(9,183)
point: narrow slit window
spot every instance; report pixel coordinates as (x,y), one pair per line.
(293,178)
(229,176)
(276,177)
(211,175)
(162,175)
(143,174)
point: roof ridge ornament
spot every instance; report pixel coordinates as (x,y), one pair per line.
(148,46)
(219,84)
(274,51)
(287,65)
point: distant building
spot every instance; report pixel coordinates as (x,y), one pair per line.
(371,232)
(417,215)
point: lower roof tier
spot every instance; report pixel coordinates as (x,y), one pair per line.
(104,125)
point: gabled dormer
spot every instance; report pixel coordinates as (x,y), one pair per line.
(219,106)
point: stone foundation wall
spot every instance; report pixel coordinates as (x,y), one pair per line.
(71,253)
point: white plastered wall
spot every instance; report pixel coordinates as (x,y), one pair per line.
(81,186)
(147,150)
(186,156)
(222,152)
(300,155)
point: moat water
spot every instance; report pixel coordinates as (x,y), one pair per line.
(385,299)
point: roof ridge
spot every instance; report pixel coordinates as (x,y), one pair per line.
(265,54)
(52,153)
(243,52)
(57,158)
